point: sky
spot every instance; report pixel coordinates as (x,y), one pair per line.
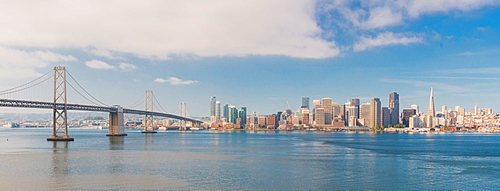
(261,54)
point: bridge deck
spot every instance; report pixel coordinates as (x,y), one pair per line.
(79,107)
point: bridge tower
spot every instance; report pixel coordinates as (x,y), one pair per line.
(182,113)
(148,118)
(60,112)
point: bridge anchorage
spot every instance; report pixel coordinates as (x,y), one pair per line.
(60,106)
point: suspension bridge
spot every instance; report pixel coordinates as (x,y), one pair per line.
(16,98)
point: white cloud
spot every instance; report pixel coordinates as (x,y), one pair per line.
(99,65)
(103,53)
(126,67)
(160,28)
(381,17)
(175,81)
(24,64)
(385,39)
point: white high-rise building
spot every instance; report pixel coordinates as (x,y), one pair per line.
(217,110)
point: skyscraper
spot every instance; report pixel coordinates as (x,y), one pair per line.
(375,114)
(217,110)
(432,109)
(305,102)
(243,116)
(226,112)
(232,114)
(326,103)
(394,108)
(213,101)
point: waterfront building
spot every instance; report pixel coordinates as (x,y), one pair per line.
(394,108)
(271,121)
(305,102)
(262,121)
(320,116)
(364,114)
(407,113)
(386,117)
(414,122)
(375,120)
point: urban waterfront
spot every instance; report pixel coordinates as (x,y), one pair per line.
(266,160)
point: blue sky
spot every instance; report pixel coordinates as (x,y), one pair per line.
(260,54)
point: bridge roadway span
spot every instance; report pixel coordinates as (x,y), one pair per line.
(78,107)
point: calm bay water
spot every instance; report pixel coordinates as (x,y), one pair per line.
(248,161)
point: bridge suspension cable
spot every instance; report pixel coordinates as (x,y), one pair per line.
(26,86)
(137,103)
(84,90)
(159,105)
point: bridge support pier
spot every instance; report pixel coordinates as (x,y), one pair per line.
(116,123)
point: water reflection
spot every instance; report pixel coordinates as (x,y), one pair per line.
(116,142)
(60,163)
(149,141)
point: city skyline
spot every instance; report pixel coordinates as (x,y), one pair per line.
(337,49)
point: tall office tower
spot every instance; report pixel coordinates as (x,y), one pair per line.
(326,103)
(232,114)
(226,113)
(213,101)
(407,113)
(243,115)
(386,117)
(320,116)
(375,113)
(394,108)
(364,114)
(432,109)
(415,106)
(217,110)
(305,102)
